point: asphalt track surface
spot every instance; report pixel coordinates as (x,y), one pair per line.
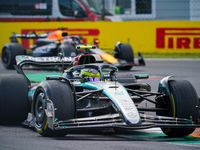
(24,138)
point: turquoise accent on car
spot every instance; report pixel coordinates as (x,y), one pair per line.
(30,93)
(91,85)
(21,58)
(63,124)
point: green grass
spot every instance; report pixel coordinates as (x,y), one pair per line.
(171,55)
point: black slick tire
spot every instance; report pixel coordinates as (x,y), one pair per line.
(183,105)
(61,95)
(125,52)
(9,51)
(14,105)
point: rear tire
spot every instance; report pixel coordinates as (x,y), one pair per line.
(9,51)
(14,105)
(61,95)
(184,100)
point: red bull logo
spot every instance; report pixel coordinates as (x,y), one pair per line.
(178,38)
(85,33)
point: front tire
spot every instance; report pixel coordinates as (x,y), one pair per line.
(61,95)
(125,52)
(184,101)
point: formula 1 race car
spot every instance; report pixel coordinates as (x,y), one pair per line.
(47,44)
(53,43)
(92,96)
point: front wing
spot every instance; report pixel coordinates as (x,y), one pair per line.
(115,121)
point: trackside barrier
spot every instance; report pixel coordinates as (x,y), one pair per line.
(144,36)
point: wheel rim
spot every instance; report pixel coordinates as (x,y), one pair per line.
(39,111)
(6,56)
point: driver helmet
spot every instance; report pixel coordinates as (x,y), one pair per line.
(90,75)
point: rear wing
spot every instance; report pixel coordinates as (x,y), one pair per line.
(43,61)
(33,35)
